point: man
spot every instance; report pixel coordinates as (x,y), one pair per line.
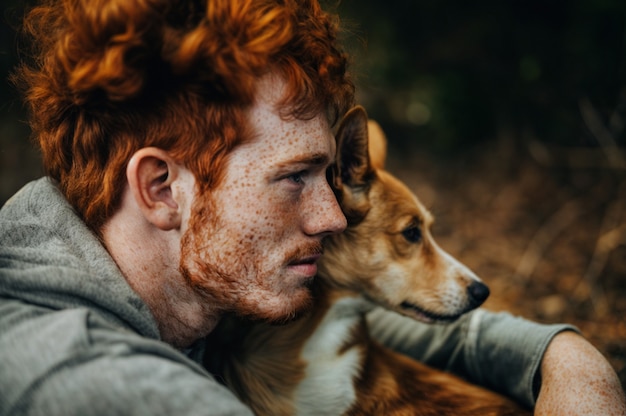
(186,145)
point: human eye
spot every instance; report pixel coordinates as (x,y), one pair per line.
(297,177)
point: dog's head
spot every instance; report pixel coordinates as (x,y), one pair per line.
(387,253)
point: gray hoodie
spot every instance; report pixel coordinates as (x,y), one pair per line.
(75,339)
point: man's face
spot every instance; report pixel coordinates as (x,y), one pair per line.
(253,246)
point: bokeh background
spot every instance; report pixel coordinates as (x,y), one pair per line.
(505,117)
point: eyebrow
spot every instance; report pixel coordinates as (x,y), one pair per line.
(315,159)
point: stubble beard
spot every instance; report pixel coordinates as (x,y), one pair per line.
(225,282)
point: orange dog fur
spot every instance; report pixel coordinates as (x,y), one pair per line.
(325,362)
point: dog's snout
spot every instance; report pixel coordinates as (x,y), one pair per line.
(478,292)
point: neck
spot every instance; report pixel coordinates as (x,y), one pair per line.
(148,260)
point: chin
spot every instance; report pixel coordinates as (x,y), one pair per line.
(281,308)
(294,314)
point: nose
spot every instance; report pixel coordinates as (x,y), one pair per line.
(477,293)
(324,216)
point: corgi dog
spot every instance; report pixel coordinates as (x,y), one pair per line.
(325,362)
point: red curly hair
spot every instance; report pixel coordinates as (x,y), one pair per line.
(112,76)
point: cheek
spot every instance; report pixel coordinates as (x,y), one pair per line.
(257,215)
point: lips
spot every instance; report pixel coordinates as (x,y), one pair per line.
(426,316)
(312,259)
(304,261)
(306,266)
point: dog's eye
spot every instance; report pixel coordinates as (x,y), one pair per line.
(413,234)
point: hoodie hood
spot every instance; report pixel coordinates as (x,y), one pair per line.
(50,258)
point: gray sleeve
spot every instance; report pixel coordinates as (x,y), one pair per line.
(496,350)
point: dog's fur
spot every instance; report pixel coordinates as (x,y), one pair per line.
(325,362)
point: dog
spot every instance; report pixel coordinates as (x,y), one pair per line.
(325,363)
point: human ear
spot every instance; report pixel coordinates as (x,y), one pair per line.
(150,174)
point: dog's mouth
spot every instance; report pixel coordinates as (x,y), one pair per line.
(423,315)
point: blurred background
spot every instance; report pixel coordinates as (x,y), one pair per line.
(506,118)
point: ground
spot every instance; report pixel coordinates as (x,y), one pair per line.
(544,227)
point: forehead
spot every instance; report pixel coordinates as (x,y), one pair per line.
(285,138)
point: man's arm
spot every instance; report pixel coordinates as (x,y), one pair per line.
(577,380)
(504,353)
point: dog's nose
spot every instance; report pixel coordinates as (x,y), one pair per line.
(478,292)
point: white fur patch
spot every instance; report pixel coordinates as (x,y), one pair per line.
(328,387)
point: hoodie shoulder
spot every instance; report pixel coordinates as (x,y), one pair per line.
(50,258)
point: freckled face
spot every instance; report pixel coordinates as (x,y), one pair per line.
(257,253)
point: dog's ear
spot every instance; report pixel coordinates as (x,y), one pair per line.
(353,172)
(377,145)
(353,161)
